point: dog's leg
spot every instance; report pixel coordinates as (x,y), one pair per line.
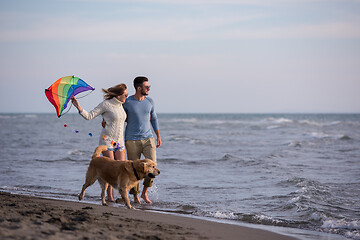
(119,200)
(82,193)
(89,180)
(125,197)
(104,185)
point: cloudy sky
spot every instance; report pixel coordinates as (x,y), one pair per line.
(208,56)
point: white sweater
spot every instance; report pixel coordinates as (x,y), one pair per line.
(114,116)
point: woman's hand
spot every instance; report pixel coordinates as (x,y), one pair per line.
(76,104)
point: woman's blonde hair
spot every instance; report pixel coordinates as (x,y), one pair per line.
(114,91)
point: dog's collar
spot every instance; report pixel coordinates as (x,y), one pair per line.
(136,175)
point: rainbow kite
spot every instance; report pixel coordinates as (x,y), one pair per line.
(60,92)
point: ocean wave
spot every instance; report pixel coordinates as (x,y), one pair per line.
(319,135)
(272,221)
(187,207)
(307,184)
(30,116)
(279,120)
(311,197)
(272,127)
(322,135)
(240,162)
(77,152)
(205,121)
(214,123)
(341,224)
(32,187)
(6,116)
(350,229)
(268,220)
(316,203)
(170,160)
(319,124)
(181,120)
(256,218)
(181,161)
(65,159)
(294,143)
(223,215)
(344,137)
(227,157)
(185,139)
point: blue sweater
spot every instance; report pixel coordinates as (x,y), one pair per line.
(139,116)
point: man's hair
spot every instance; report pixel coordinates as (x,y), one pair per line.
(138,81)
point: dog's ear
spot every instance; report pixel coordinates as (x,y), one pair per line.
(128,168)
(144,167)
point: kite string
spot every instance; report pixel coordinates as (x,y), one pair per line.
(72,104)
(66,111)
(85,94)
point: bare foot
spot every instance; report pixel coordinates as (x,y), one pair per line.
(137,199)
(145,197)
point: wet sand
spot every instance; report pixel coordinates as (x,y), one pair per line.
(26,217)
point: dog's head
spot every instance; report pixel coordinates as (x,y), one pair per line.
(150,168)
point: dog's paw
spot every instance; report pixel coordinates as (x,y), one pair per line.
(119,200)
(104,204)
(80,197)
(130,207)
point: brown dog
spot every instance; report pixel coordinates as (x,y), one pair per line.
(122,175)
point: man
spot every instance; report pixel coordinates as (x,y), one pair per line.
(139,138)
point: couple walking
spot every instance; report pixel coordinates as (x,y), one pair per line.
(139,114)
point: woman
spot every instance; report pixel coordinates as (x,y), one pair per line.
(112,134)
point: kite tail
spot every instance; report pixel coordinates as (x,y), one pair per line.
(99,150)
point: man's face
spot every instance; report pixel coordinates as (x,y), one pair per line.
(145,88)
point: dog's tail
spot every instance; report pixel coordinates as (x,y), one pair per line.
(99,150)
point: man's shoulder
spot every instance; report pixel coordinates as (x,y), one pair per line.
(149,99)
(129,99)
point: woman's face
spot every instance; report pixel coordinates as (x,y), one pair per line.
(122,98)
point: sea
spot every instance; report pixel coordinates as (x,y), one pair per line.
(295,174)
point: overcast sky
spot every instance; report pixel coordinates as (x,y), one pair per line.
(207,56)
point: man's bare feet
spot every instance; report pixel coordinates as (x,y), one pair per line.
(145,197)
(137,199)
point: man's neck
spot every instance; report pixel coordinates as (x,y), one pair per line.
(139,96)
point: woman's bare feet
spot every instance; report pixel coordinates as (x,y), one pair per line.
(145,197)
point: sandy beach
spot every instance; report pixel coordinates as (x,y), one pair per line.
(26,217)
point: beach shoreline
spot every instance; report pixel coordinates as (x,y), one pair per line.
(28,217)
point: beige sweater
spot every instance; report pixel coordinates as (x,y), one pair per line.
(114,116)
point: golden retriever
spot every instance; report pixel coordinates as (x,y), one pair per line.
(122,175)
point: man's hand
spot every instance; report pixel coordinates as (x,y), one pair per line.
(158,141)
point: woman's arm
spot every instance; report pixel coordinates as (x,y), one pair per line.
(88,115)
